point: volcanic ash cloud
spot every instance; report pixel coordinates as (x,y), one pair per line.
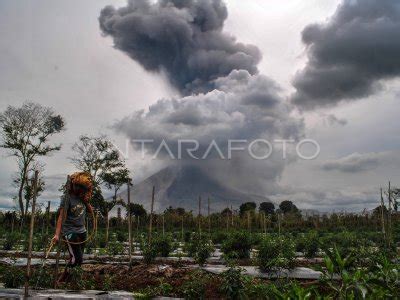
(223,95)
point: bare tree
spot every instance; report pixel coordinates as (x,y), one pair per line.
(25,131)
(97,156)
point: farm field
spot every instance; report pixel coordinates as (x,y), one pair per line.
(258,257)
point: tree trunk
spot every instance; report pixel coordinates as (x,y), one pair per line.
(30,240)
(20,191)
(129,225)
(151,214)
(107,225)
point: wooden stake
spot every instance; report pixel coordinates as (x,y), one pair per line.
(199,221)
(265,224)
(48,218)
(12,222)
(227,218)
(389,227)
(28,264)
(248,221)
(182,238)
(129,183)
(209,216)
(138,226)
(163,225)
(279,224)
(231,216)
(151,214)
(383,217)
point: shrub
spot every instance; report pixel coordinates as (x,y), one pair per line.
(149,252)
(237,245)
(163,245)
(41,241)
(311,244)
(203,252)
(200,248)
(187,236)
(42,277)
(345,242)
(195,286)
(150,292)
(10,241)
(275,253)
(14,277)
(293,291)
(90,246)
(121,237)
(101,240)
(301,243)
(115,248)
(260,291)
(234,283)
(107,282)
(219,237)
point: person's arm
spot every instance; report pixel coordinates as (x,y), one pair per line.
(59,224)
(89,207)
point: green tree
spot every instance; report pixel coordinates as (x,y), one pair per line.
(100,158)
(97,156)
(136,210)
(28,188)
(267,207)
(247,206)
(175,211)
(287,206)
(25,131)
(113,180)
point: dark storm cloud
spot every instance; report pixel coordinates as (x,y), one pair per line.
(353,163)
(350,54)
(182,38)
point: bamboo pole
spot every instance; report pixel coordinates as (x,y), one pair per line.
(182,238)
(227,218)
(48,218)
(248,221)
(389,227)
(32,224)
(12,222)
(151,214)
(209,216)
(163,225)
(279,224)
(198,217)
(265,224)
(231,216)
(129,183)
(138,227)
(383,218)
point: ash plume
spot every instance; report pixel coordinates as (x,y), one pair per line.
(224,97)
(182,38)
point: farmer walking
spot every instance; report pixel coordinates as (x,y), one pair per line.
(71,220)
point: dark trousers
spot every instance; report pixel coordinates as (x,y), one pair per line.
(75,250)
